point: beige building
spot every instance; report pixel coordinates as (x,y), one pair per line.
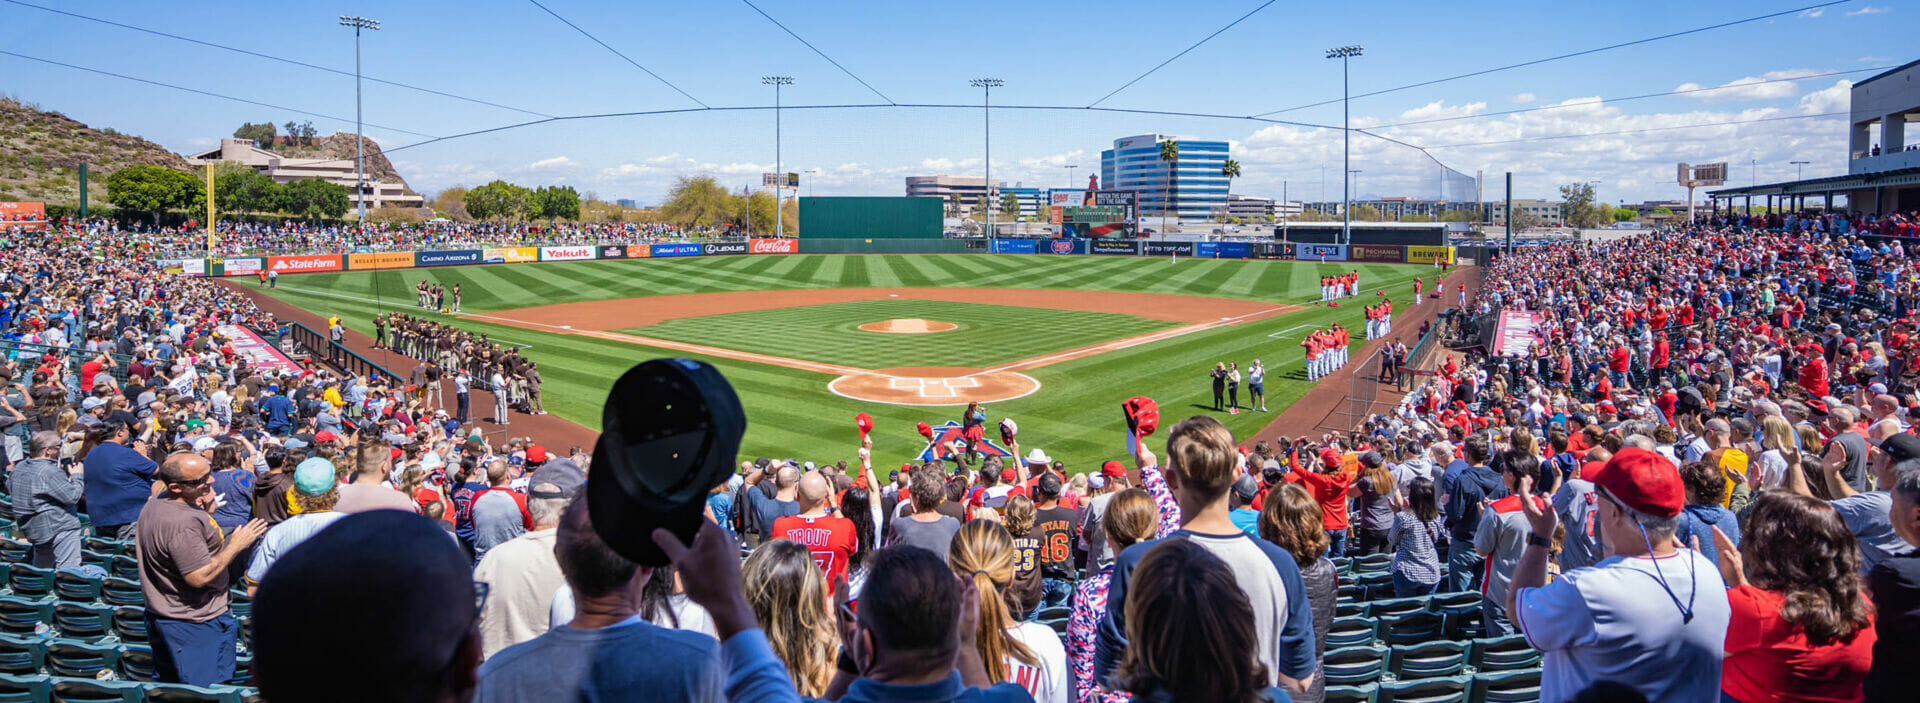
(1547,211)
(285,170)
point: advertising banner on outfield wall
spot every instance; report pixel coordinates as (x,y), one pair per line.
(723,248)
(380,260)
(1168,248)
(1061,246)
(1428,254)
(1271,250)
(1121,247)
(452,257)
(248,266)
(1222,250)
(639,251)
(774,246)
(304,263)
(1384,253)
(193,267)
(1320,252)
(579,253)
(1015,246)
(661,251)
(617,251)
(514,255)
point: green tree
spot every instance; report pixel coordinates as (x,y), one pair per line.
(243,191)
(1367,213)
(261,134)
(761,206)
(1663,210)
(314,198)
(698,201)
(1169,153)
(1524,219)
(556,203)
(1625,214)
(1459,216)
(153,189)
(501,200)
(1009,205)
(1577,208)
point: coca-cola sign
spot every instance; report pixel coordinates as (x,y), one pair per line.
(775,246)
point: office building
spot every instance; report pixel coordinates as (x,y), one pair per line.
(627,202)
(962,193)
(1249,207)
(1190,188)
(1546,212)
(281,169)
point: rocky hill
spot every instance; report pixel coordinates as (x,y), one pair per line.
(41,152)
(340,146)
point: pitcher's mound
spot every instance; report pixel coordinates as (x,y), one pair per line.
(911,325)
(930,385)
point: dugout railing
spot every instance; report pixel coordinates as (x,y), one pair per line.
(339,356)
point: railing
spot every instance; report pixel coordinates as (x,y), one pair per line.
(339,356)
(18,349)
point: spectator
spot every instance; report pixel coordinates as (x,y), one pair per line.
(1869,514)
(1704,514)
(233,482)
(183,575)
(1376,486)
(1054,528)
(1245,490)
(1184,652)
(1130,518)
(1802,626)
(925,528)
(1094,538)
(1895,584)
(499,512)
(119,479)
(1291,519)
(913,638)
(857,504)
(830,538)
(1415,541)
(1024,594)
(373,465)
(1501,537)
(1465,491)
(1576,506)
(314,496)
(1024,653)
(1602,623)
(789,598)
(46,499)
(767,507)
(521,576)
(1329,485)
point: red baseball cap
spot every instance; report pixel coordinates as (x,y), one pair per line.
(326,436)
(1644,481)
(1113,469)
(1329,457)
(536,454)
(1008,475)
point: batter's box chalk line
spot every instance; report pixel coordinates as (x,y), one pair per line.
(933,387)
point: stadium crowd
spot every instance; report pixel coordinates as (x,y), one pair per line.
(1701,483)
(257,238)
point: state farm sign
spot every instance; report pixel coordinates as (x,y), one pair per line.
(305,263)
(566,253)
(775,246)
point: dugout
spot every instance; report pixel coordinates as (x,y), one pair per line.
(1392,233)
(878,217)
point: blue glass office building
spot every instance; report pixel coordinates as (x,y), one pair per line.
(1192,187)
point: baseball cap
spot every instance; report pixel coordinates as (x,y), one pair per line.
(326,436)
(1008,475)
(92,402)
(536,454)
(1372,459)
(1901,447)
(313,477)
(1644,481)
(1246,487)
(1113,468)
(205,443)
(1329,457)
(671,431)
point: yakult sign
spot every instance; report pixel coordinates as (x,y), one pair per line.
(566,253)
(774,246)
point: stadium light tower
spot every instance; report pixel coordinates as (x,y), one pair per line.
(359,130)
(1070,168)
(986,86)
(810,178)
(1346,134)
(1797,166)
(779,176)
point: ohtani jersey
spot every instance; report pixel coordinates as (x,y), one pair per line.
(832,540)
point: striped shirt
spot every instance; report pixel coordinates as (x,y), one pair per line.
(285,536)
(1415,555)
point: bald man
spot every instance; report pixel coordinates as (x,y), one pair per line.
(1847,450)
(766,506)
(832,540)
(1886,418)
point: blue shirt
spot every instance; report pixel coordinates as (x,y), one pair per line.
(1475,484)
(119,482)
(279,412)
(1247,519)
(236,486)
(944,691)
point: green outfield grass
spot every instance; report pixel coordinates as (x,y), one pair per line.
(1074,417)
(986,334)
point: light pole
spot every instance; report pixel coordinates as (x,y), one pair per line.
(1353,179)
(986,86)
(1070,168)
(1797,166)
(810,181)
(359,132)
(1346,135)
(779,176)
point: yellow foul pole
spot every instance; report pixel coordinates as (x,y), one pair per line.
(209,208)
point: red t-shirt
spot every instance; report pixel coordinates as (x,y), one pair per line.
(1768,658)
(1813,376)
(832,540)
(1620,358)
(87,371)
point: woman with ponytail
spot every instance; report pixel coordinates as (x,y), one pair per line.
(1028,654)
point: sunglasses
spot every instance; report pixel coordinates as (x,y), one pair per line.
(195,482)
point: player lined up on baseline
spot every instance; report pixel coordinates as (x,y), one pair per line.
(1345,285)
(1326,351)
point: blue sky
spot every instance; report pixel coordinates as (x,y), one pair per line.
(1049,53)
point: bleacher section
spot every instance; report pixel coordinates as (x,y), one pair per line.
(1382,649)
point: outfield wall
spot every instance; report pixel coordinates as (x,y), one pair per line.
(389,260)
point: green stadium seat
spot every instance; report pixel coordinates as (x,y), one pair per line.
(15,552)
(1447,689)
(1354,666)
(107,546)
(1412,628)
(125,567)
(240,605)
(182,693)
(1464,624)
(1507,653)
(104,560)
(24,688)
(1348,608)
(1427,660)
(1374,585)
(130,624)
(1521,686)
(136,664)
(24,616)
(30,581)
(76,587)
(1456,601)
(80,659)
(1395,607)
(77,690)
(1373,563)
(118,591)
(1351,632)
(21,656)
(87,622)
(1352,694)
(242,671)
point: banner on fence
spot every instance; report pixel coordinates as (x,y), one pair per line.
(380,260)
(1429,254)
(247,266)
(1516,333)
(576,253)
(258,353)
(515,255)
(1222,250)
(723,248)
(1015,246)
(1382,253)
(639,251)
(1116,247)
(616,251)
(1168,248)
(451,257)
(661,251)
(1271,250)
(1061,246)
(774,246)
(193,267)
(304,263)
(1320,252)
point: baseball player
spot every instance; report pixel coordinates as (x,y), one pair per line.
(1312,346)
(1417,285)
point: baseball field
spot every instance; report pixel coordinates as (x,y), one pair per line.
(1055,342)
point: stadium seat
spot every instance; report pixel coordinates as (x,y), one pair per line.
(23,616)
(77,690)
(104,560)
(82,621)
(1394,607)
(1354,666)
(1372,563)
(242,671)
(1351,632)
(1456,601)
(1352,694)
(1412,628)
(1447,689)
(80,659)
(1348,608)
(182,693)
(1464,624)
(1058,626)
(1504,654)
(1521,686)
(118,591)
(107,546)
(30,581)
(125,567)
(1376,585)
(76,587)
(136,664)
(1350,592)
(239,605)
(129,624)
(24,688)
(15,552)
(1054,613)
(21,656)
(1428,659)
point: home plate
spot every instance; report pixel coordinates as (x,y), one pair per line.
(566,327)
(893,295)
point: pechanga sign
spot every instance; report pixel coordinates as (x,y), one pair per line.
(304,263)
(613,251)
(775,246)
(1384,253)
(580,253)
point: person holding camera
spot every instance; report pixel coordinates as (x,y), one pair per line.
(46,503)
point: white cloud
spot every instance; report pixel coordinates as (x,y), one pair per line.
(1815,12)
(1750,87)
(555,163)
(1522,98)
(1869,10)
(1873,59)
(1835,98)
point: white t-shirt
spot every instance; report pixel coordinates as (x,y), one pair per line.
(1614,621)
(1047,682)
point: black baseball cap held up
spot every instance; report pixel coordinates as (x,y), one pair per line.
(670,432)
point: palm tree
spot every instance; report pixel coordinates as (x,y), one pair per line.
(1230,169)
(1170,153)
